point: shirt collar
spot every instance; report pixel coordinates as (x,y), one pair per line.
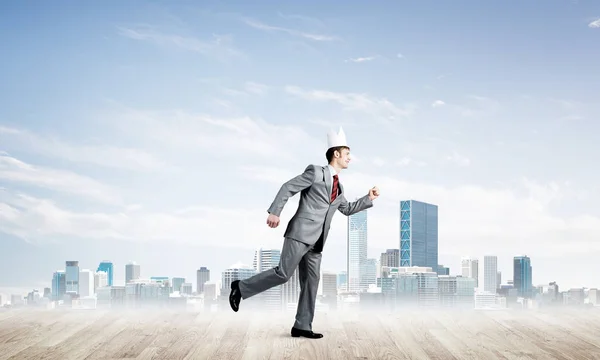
(332,170)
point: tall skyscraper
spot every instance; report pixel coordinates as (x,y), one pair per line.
(418,234)
(132,272)
(59,285)
(100,280)
(329,284)
(368,274)
(202,277)
(357,249)
(107,267)
(72,276)
(490,273)
(86,283)
(522,279)
(470,269)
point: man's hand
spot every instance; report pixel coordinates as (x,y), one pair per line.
(273,221)
(373,193)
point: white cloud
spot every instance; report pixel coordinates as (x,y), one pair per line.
(438,103)
(361,59)
(594,24)
(229,136)
(220,46)
(352,101)
(379,162)
(256,88)
(42,220)
(248,89)
(311,36)
(103,155)
(267,174)
(406,161)
(400,56)
(458,159)
(478,106)
(19,172)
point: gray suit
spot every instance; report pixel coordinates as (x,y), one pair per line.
(305,237)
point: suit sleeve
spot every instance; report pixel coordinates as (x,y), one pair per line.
(350,208)
(291,187)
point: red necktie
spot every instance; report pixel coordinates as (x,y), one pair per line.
(334,188)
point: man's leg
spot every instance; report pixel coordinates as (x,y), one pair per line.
(309,270)
(291,253)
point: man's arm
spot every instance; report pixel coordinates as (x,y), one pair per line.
(350,208)
(291,187)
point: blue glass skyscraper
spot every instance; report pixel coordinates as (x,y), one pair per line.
(418,234)
(522,279)
(107,267)
(59,286)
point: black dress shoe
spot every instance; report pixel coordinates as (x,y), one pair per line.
(235,296)
(306,333)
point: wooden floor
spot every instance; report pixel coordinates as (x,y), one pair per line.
(93,334)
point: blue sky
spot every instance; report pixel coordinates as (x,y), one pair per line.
(161,132)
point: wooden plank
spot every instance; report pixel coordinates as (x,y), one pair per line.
(415,334)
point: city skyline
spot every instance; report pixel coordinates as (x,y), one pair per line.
(483,275)
(161,133)
(396,286)
(521,279)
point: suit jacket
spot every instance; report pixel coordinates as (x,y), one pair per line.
(315,210)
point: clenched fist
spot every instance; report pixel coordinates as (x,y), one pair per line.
(374,193)
(273,221)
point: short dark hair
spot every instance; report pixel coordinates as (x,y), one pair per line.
(330,152)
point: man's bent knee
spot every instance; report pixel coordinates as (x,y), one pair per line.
(282,274)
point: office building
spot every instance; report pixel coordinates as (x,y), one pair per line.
(329,281)
(357,250)
(202,277)
(368,275)
(132,272)
(390,258)
(443,270)
(100,280)
(86,283)
(59,285)
(470,269)
(522,278)
(107,267)
(72,277)
(490,273)
(418,234)
(176,283)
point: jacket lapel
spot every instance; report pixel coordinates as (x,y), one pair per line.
(328,184)
(340,192)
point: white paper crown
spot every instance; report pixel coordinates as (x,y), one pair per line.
(338,139)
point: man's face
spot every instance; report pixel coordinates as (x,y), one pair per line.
(343,159)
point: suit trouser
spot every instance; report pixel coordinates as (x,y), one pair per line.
(294,254)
